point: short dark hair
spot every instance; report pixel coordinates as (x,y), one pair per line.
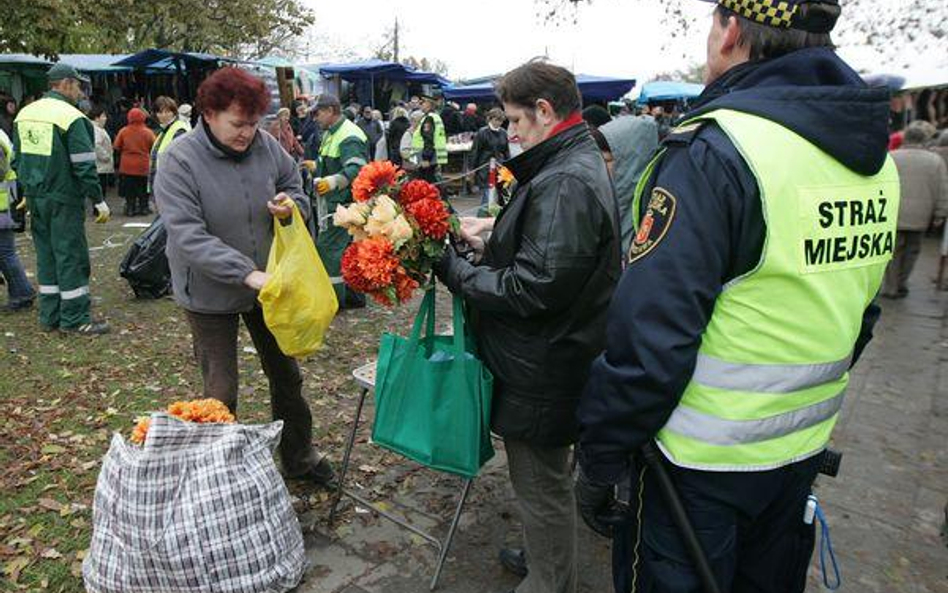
(95,112)
(766,42)
(496,113)
(535,80)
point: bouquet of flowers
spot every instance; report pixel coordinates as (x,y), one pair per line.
(199,410)
(399,229)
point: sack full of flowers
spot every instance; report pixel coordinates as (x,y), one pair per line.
(198,505)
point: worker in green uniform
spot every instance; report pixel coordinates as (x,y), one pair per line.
(429,143)
(55,163)
(343,152)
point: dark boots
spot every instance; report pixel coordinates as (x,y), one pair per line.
(137,206)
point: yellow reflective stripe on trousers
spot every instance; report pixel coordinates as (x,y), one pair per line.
(766,378)
(68,295)
(715,430)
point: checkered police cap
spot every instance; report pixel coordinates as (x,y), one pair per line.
(786,14)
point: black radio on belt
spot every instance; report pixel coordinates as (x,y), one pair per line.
(830,462)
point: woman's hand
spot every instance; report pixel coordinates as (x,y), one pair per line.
(256,279)
(472,228)
(281,206)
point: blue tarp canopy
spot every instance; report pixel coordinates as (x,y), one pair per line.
(378,70)
(160,59)
(23,60)
(95,63)
(593,88)
(665,90)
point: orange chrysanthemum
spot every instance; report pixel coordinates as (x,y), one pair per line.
(370,264)
(504,176)
(202,411)
(373,178)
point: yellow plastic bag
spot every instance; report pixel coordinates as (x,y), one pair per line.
(298,300)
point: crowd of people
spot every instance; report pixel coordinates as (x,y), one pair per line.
(638,299)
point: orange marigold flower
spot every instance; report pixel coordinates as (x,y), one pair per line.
(373,178)
(140,430)
(432,217)
(418,189)
(204,411)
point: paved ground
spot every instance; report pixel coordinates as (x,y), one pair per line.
(886,509)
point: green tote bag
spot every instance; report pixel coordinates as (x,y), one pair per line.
(433,396)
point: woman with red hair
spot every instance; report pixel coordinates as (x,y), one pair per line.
(218,189)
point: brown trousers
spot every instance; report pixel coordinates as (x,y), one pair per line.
(215,347)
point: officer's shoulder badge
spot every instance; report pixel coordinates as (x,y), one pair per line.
(654,224)
(684,133)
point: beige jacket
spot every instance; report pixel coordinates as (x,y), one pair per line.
(923,177)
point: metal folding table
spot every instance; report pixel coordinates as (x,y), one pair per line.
(365,377)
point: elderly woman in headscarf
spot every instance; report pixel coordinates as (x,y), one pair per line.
(282,130)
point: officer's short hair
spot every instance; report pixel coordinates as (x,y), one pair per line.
(537,79)
(766,42)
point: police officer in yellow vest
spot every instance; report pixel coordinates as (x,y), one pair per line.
(763,228)
(429,144)
(343,152)
(20,293)
(55,163)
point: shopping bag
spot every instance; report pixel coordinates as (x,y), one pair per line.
(197,508)
(433,396)
(298,300)
(145,265)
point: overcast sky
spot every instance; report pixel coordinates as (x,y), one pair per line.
(610,37)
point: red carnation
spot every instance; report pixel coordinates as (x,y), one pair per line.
(374,177)
(418,189)
(431,216)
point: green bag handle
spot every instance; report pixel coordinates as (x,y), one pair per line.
(426,316)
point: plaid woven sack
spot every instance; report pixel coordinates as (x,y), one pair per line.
(199,507)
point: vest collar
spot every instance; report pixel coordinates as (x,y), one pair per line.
(58,95)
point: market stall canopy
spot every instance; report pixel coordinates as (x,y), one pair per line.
(893,81)
(160,59)
(23,61)
(95,63)
(378,70)
(593,88)
(666,90)
(925,77)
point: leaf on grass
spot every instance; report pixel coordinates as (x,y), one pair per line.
(50,505)
(52,554)
(52,449)
(13,568)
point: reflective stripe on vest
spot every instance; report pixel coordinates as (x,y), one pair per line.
(773,363)
(332,141)
(36,122)
(168,136)
(766,378)
(440,139)
(9,179)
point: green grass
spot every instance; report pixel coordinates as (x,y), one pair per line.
(62,398)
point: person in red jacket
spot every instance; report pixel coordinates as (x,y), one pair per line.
(133,144)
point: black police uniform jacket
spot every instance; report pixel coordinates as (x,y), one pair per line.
(666,296)
(539,296)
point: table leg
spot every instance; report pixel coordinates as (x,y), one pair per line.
(345,459)
(451,531)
